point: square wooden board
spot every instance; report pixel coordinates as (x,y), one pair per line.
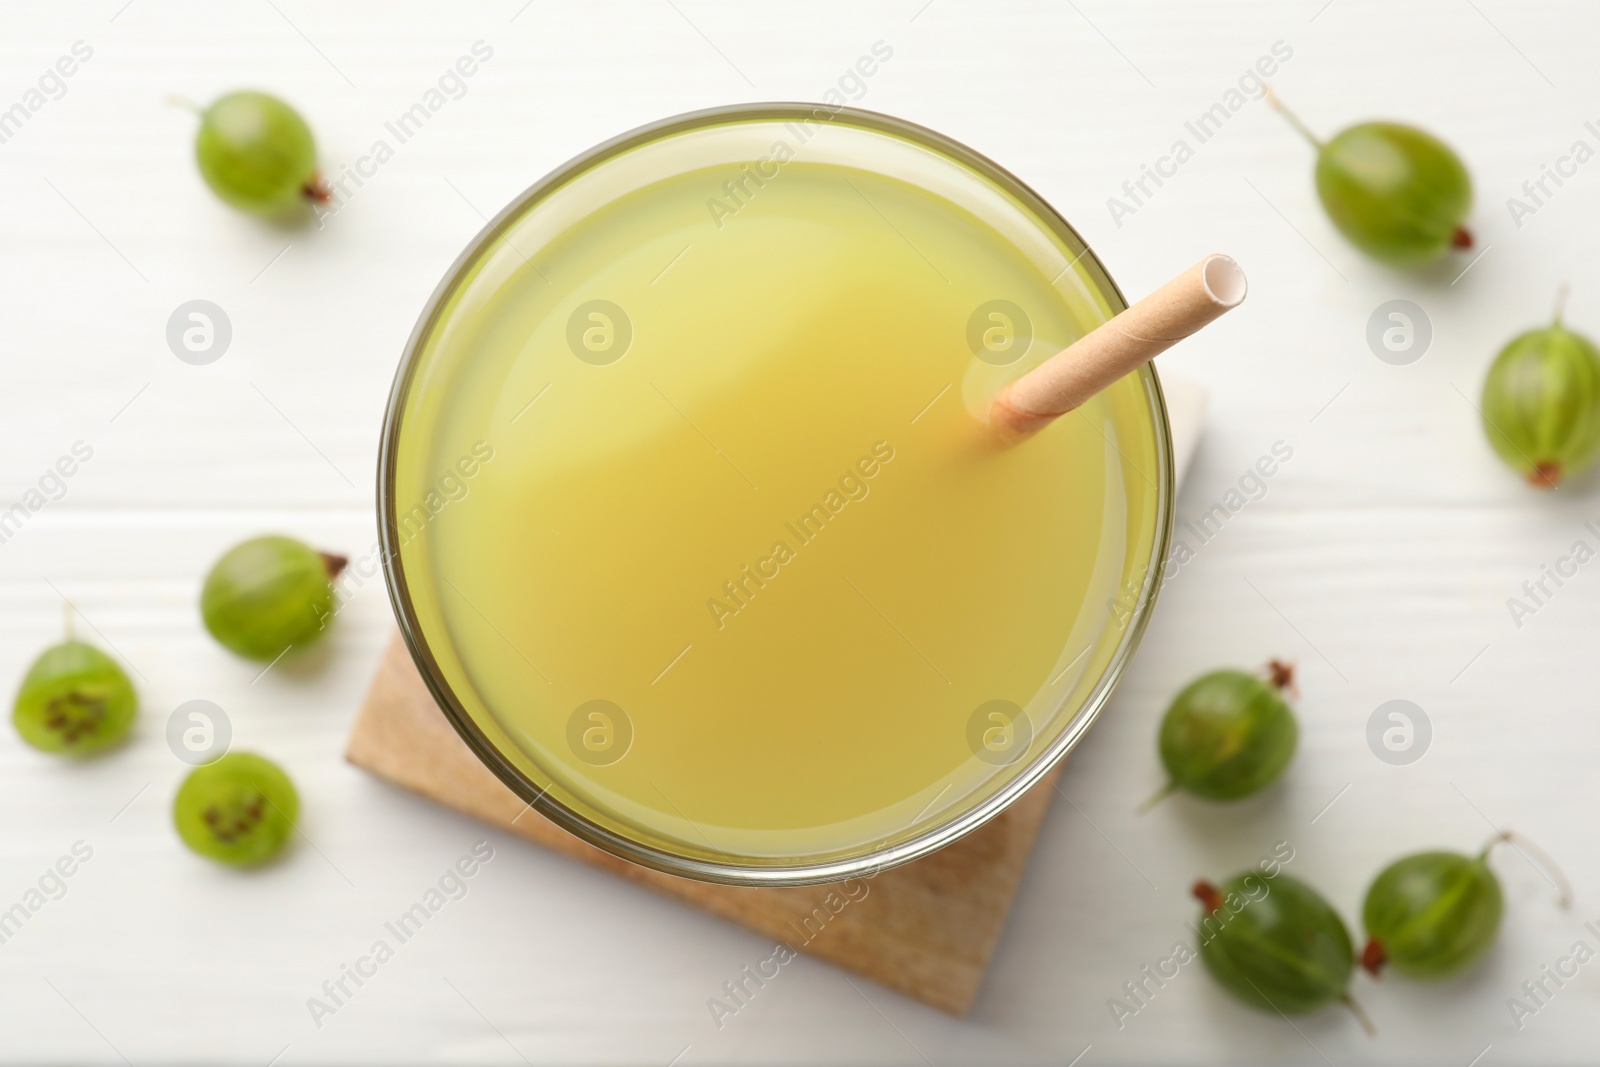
(926,929)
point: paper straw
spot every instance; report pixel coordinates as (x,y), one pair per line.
(1114,348)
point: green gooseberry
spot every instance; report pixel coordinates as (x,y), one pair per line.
(1397,193)
(75,699)
(1432,914)
(269,594)
(239,809)
(1228,734)
(1541,403)
(257,153)
(1275,944)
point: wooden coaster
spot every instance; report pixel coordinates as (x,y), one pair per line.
(926,929)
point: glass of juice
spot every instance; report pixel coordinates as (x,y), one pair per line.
(691,521)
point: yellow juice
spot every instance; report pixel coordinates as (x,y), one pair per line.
(702,532)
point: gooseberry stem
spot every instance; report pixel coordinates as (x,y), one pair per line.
(1561,302)
(1160,794)
(1373,957)
(1293,119)
(1360,1013)
(178,101)
(317,190)
(1547,866)
(1281,674)
(67,613)
(1208,895)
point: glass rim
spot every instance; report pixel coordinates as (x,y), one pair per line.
(868,863)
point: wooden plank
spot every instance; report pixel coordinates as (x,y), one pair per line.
(926,929)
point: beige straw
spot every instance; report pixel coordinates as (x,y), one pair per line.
(1114,348)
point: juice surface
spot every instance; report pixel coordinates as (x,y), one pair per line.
(752,586)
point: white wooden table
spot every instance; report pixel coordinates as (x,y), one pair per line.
(1380,557)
